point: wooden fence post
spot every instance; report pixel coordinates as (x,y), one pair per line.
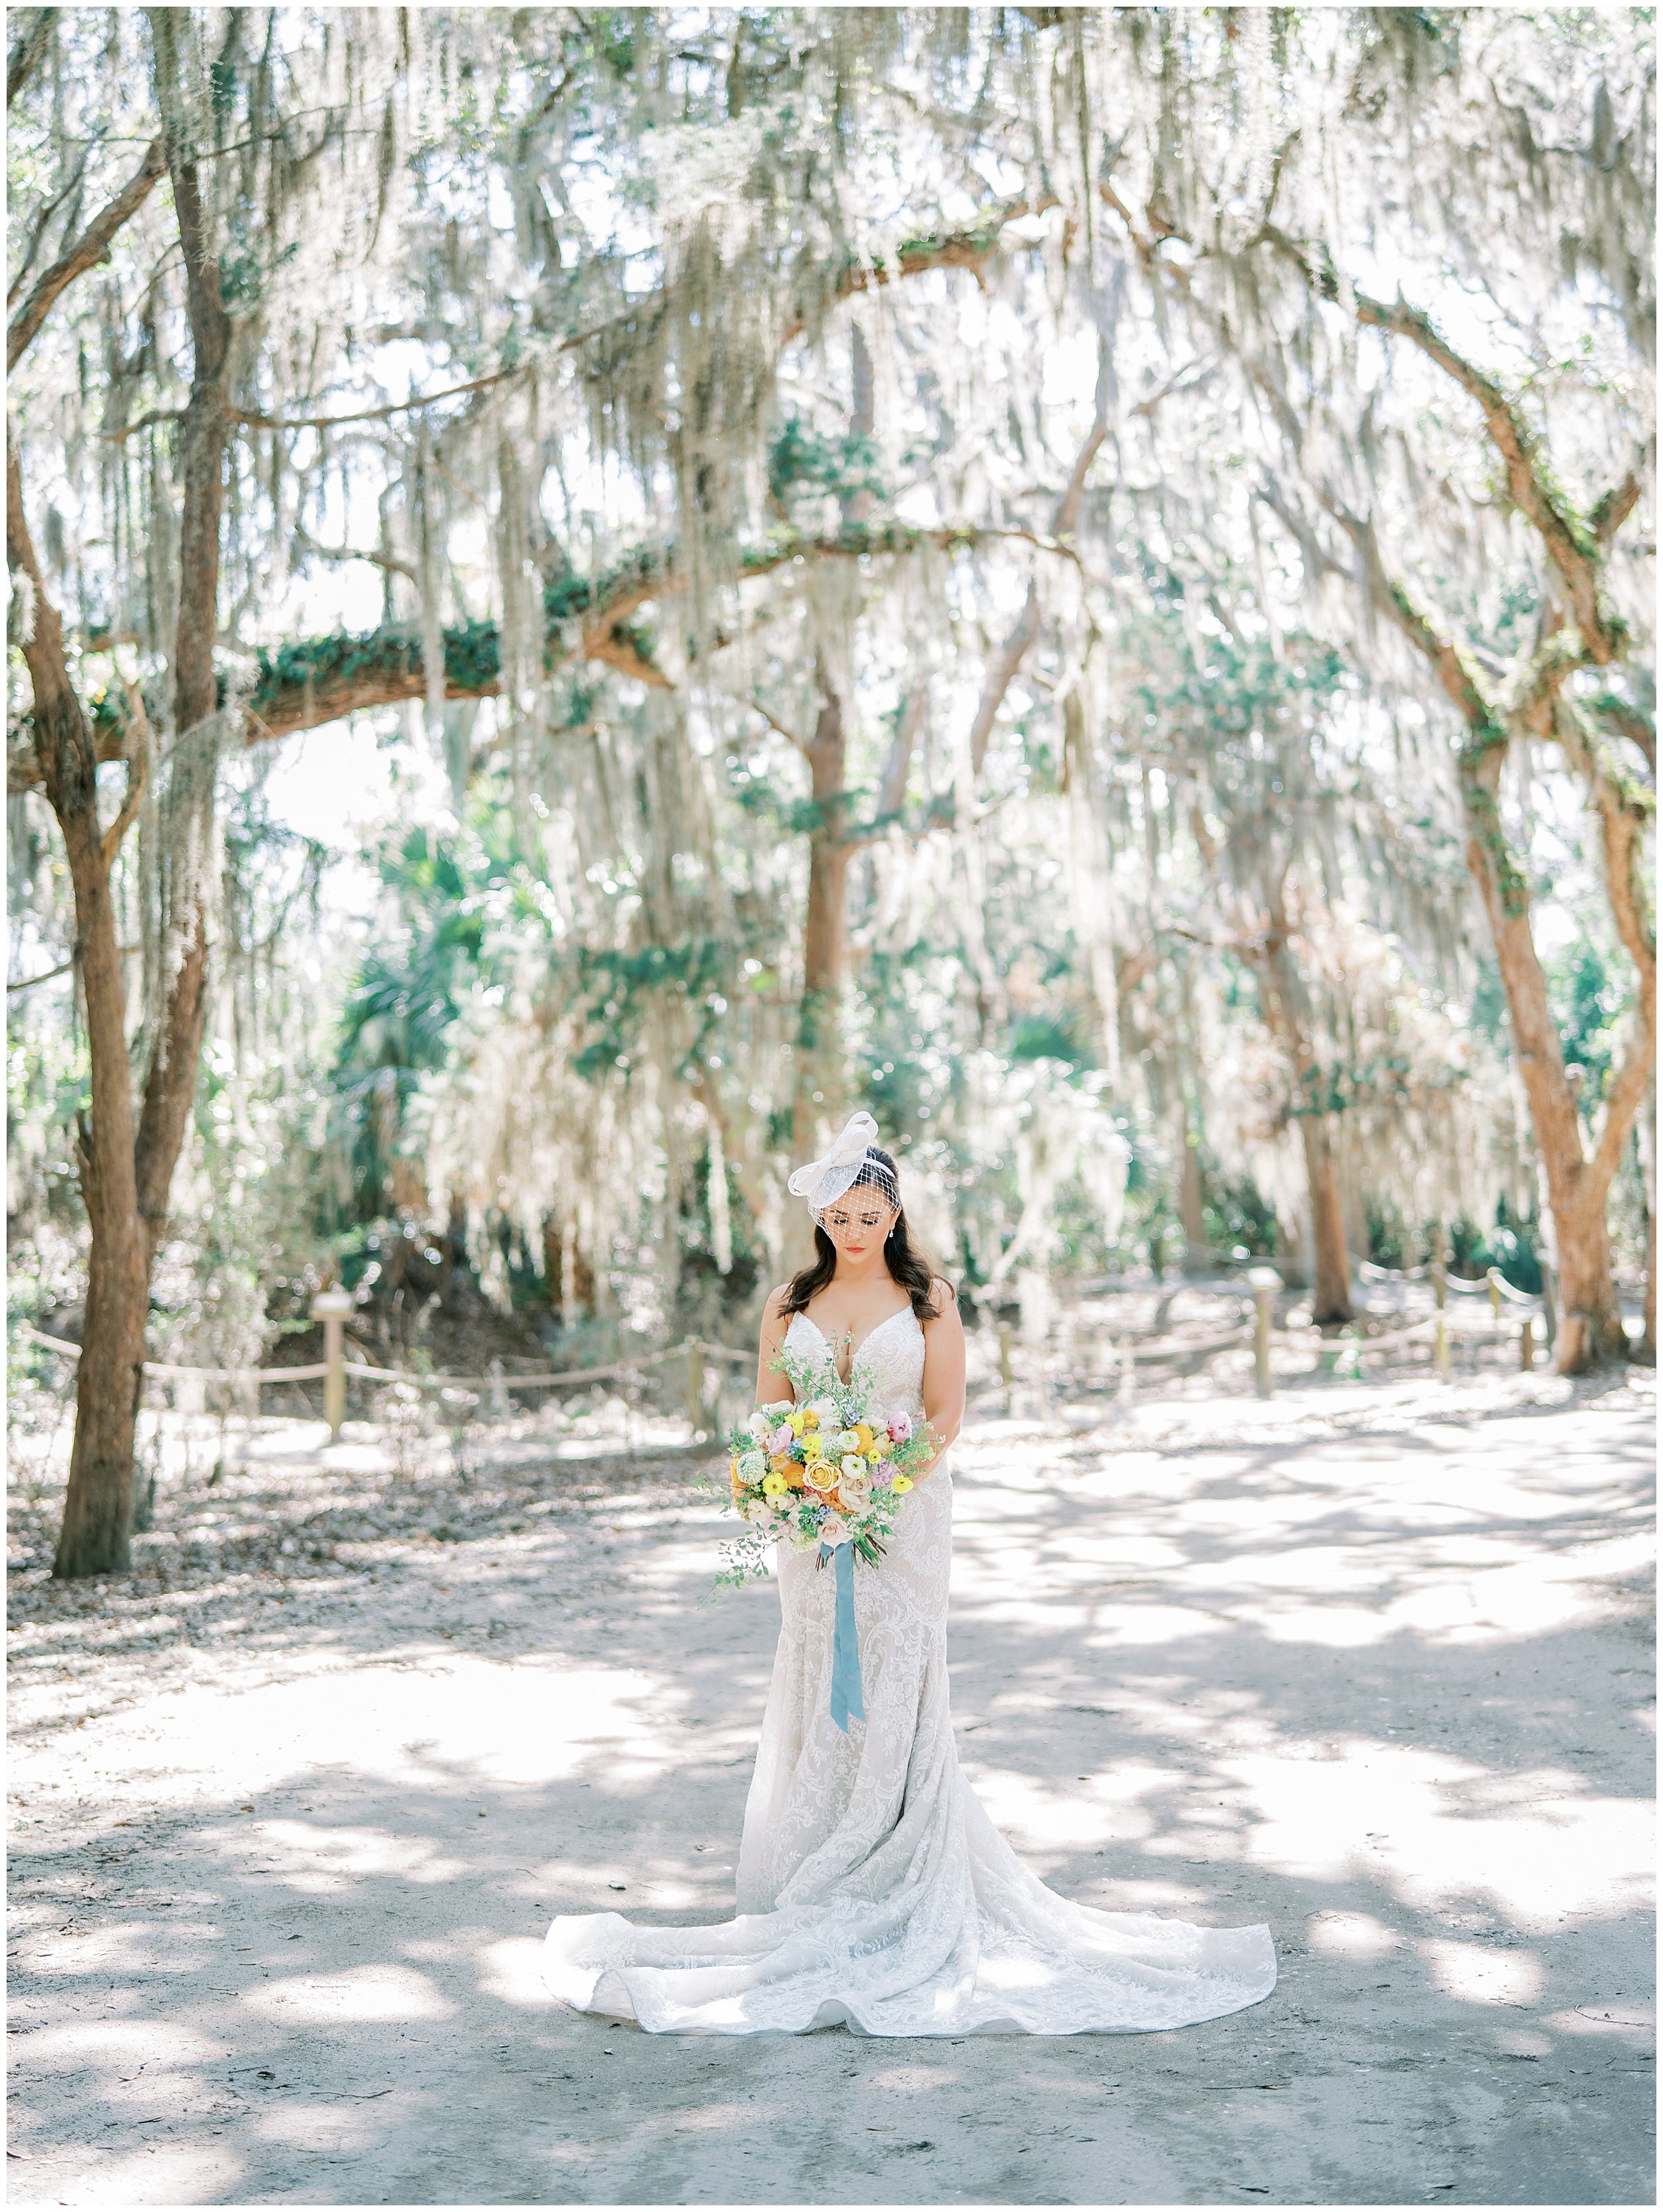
(1265,1283)
(331,1308)
(695,1396)
(1440,1292)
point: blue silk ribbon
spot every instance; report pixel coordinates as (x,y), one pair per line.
(847,1698)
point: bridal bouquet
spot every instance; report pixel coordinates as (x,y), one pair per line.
(831,1470)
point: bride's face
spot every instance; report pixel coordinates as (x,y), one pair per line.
(859,1222)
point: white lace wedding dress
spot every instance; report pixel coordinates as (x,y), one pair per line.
(873,1888)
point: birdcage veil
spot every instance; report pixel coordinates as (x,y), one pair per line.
(850,1162)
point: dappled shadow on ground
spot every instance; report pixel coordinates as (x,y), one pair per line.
(1381,1690)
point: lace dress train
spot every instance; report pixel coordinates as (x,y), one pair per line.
(873,1888)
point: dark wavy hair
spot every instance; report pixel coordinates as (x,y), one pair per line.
(909,1264)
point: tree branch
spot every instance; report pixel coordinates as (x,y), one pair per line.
(1612,509)
(954,249)
(322,679)
(65,760)
(87,252)
(1629,721)
(1625,812)
(898,767)
(1624,1097)
(1317,560)
(1187,380)
(1064,521)
(779,728)
(960,249)
(386,560)
(138,774)
(612,643)
(28,52)
(18,276)
(1573,546)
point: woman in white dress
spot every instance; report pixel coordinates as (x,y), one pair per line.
(873,1888)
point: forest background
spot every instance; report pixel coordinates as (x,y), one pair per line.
(593,588)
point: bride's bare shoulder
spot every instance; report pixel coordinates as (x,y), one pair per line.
(776,1317)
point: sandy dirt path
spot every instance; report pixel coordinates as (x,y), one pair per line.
(294,1804)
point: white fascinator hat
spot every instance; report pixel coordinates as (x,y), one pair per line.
(851,1160)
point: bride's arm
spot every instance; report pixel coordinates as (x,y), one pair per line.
(773,1388)
(944,1372)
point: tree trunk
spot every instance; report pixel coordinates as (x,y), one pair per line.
(1091,863)
(98,1509)
(1646,1144)
(1331,1290)
(125,1176)
(821,1078)
(1575,1183)
(1285,1015)
(1576,1188)
(1190,1196)
(94,1538)
(170,1084)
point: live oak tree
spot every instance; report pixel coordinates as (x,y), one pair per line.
(1264,260)
(547,382)
(249,327)
(126,1169)
(186,264)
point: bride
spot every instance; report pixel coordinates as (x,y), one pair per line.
(873,1889)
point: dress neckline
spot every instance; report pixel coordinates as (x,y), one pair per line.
(901,1311)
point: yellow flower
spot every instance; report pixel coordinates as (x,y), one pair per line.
(873,1452)
(809,1417)
(863,1430)
(774,1486)
(812,1447)
(795,1422)
(902,1483)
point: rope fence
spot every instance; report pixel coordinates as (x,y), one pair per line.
(334,1369)
(1263,1282)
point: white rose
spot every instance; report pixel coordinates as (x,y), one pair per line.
(827,1408)
(753,1466)
(760,1422)
(833,1531)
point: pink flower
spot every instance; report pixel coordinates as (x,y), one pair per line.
(900,1428)
(883,1474)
